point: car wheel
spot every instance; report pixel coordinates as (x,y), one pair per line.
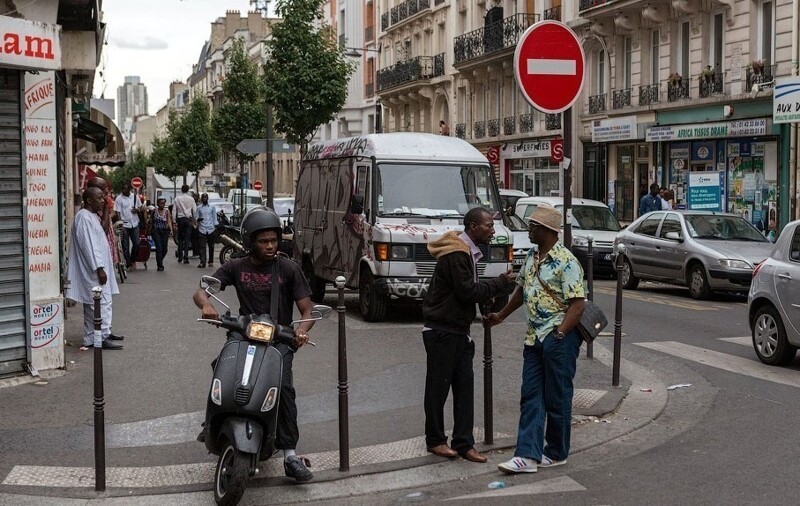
(629,281)
(769,337)
(372,304)
(698,284)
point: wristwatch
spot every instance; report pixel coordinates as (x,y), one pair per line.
(558,334)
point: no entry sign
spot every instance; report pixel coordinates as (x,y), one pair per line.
(136,183)
(549,66)
(257,185)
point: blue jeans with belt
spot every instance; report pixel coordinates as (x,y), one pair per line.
(547,373)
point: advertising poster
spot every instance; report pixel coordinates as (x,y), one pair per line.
(705,191)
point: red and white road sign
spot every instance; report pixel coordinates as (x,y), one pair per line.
(556,150)
(136,183)
(257,185)
(549,66)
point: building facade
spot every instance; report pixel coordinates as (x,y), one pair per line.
(131,102)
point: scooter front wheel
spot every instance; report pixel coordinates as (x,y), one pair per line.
(230,478)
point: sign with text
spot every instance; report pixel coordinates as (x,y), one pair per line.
(47,324)
(42,181)
(705,190)
(739,128)
(786,100)
(614,129)
(26,44)
(526,149)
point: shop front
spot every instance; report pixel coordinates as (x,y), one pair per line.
(527,167)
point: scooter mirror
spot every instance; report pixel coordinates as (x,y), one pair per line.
(210,284)
(321,311)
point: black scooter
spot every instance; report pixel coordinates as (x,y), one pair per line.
(242,406)
(230,238)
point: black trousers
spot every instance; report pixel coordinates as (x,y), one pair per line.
(161,238)
(184,238)
(287,434)
(206,244)
(449,365)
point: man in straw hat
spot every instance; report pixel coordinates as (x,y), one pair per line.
(550,284)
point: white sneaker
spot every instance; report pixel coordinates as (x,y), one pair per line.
(548,462)
(518,465)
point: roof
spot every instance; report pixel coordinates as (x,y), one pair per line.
(399,146)
(559,201)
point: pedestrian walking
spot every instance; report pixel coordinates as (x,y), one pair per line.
(126,207)
(206,218)
(89,265)
(650,201)
(184,207)
(449,309)
(161,229)
(550,285)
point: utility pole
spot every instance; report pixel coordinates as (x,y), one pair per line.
(270,171)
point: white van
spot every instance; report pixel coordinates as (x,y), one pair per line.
(368,206)
(252,199)
(589,217)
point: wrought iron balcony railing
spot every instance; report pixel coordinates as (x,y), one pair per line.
(552,122)
(597,103)
(712,84)
(461,130)
(438,65)
(509,125)
(525,123)
(492,38)
(621,98)
(479,129)
(553,12)
(384,21)
(407,9)
(404,72)
(648,94)
(493,126)
(677,90)
(588,4)
(759,75)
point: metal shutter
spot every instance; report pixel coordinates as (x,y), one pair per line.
(13,311)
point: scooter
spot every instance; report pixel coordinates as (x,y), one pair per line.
(230,237)
(242,406)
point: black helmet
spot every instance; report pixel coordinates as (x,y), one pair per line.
(258,220)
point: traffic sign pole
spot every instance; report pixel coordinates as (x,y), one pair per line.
(566,125)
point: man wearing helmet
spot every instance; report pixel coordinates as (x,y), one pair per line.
(251,276)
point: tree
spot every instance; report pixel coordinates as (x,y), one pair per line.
(163,158)
(192,140)
(306,73)
(135,166)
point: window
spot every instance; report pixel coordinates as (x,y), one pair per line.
(655,55)
(649,225)
(601,72)
(794,253)
(683,49)
(717,41)
(671,224)
(766,31)
(627,48)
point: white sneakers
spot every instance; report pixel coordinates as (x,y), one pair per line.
(525,465)
(548,462)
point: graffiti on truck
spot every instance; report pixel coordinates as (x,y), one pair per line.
(356,146)
(414,288)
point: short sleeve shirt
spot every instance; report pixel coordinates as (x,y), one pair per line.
(563,274)
(125,206)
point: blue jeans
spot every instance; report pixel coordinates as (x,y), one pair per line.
(547,373)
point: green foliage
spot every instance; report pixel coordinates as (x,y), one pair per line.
(242,114)
(163,157)
(193,142)
(136,165)
(307,72)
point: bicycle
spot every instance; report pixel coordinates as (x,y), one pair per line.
(121,268)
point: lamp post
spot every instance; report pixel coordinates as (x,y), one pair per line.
(355,52)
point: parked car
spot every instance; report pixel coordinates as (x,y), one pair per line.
(703,250)
(774,300)
(221,205)
(509,198)
(522,243)
(589,218)
(252,199)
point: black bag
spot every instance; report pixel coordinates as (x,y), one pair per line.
(592,322)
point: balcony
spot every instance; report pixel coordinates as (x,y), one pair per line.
(369,33)
(493,38)
(712,84)
(552,122)
(493,126)
(384,21)
(461,130)
(597,104)
(405,10)
(621,98)
(759,75)
(369,92)
(509,125)
(525,123)
(588,4)
(479,130)
(553,13)
(409,71)
(648,94)
(677,90)
(438,2)
(438,65)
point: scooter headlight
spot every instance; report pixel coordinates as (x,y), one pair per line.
(269,400)
(216,392)
(260,331)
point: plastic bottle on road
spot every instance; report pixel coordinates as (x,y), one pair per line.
(497,484)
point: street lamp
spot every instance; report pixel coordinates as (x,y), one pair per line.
(355,52)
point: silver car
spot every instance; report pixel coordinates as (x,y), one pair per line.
(705,251)
(774,300)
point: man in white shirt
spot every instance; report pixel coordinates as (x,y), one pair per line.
(664,194)
(184,209)
(127,205)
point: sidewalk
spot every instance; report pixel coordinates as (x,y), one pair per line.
(156,389)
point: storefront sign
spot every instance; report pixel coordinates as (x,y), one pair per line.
(739,128)
(705,191)
(47,324)
(29,44)
(102,158)
(786,100)
(614,129)
(527,149)
(42,179)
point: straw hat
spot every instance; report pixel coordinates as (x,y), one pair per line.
(548,217)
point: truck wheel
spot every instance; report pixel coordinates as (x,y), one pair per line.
(372,304)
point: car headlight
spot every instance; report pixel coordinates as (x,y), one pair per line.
(260,331)
(578,240)
(735,264)
(401,252)
(498,254)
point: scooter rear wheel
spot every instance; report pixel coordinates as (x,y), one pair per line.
(230,478)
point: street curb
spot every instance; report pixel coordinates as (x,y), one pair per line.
(27,378)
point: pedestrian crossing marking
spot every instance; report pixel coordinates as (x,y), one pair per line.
(743,340)
(556,485)
(663,299)
(726,362)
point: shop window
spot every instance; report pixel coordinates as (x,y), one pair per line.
(766,31)
(649,225)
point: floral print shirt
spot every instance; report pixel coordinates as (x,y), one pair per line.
(563,274)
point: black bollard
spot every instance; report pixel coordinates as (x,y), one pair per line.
(488,401)
(590,284)
(618,320)
(344,429)
(99,396)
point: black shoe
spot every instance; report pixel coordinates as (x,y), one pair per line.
(107,345)
(114,337)
(185,260)
(160,268)
(201,266)
(295,468)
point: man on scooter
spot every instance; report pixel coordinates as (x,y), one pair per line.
(251,276)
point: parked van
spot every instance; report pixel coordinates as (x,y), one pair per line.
(252,199)
(589,217)
(368,206)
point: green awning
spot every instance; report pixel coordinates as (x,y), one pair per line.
(86,129)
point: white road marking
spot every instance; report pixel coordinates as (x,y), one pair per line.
(743,340)
(726,362)
(556,485)
(537,66)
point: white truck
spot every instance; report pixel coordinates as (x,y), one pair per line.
(366,208)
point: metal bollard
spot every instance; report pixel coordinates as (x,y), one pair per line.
(590,285)
(99,400)
(344,429)
(618,319)
(488,401)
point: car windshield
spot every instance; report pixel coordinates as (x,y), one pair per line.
(723,228)
(593,218)
(434,191)
(283,207)
(515,223)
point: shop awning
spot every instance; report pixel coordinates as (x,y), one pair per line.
(88,130)
(101,141)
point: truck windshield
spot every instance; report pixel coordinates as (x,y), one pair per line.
(434,190)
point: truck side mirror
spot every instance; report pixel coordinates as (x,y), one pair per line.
(357,204)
